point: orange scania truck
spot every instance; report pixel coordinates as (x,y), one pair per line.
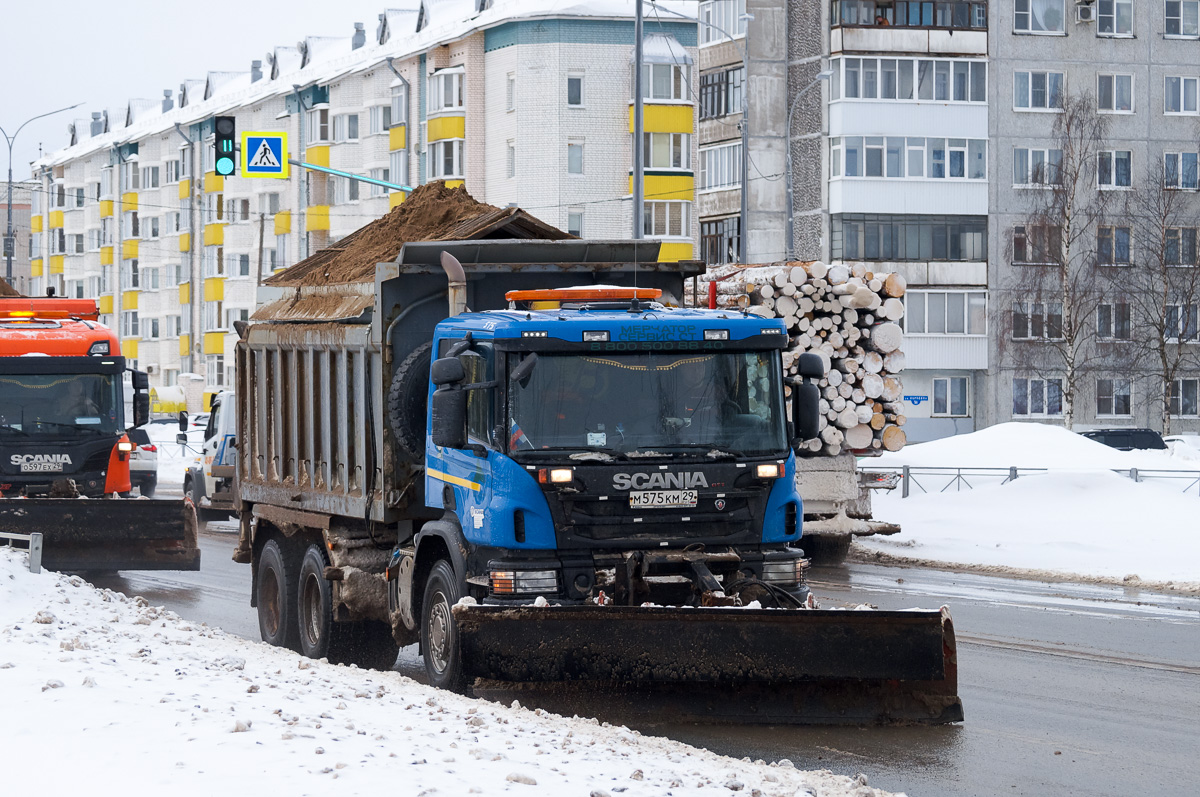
(63,439)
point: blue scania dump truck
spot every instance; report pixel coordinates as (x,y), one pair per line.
(525,457)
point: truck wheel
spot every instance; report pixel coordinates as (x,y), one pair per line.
(439,634)
(147,488)
(320,636)
(276,579)
(408,397)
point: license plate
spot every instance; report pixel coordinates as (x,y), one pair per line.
(662,499)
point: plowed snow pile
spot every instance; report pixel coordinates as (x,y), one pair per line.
(1078,519)
(139,701)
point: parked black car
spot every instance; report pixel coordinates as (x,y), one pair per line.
(1127,439)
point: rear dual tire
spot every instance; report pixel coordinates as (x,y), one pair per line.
(276,598)
(367,643)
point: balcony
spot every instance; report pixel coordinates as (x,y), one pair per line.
(911,26)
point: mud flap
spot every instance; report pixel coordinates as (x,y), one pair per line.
(108,534)
(769,666)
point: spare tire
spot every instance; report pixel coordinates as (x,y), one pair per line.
(408,398)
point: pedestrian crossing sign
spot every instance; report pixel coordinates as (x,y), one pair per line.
(264,155)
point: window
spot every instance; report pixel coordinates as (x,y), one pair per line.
(1037,91)
(1115,18)
(909,79)
(59,195)
(960,15)
(379,174)
(908,237)
(909,158)
(185,214)
(1112,246)
(239,210)
(1183,401)
(946,312)
(268,203)
(1180,246)
(1033,167)
(106,182)
(154,329)
(241,265)
(445,159)
(129,225)
(381,118)
(398,167)
(1114,93)
(281,260)
(665,82)
(345,127)
(1180,322)
(510,153)
(720,19)
(721,93)
(172,171)
(510,92)
(1180,170)
(1037,321)
(93,239)
(399,112)
(575,91)
(1113,169)
(1035,244)
(1180,95)
(214,261)
(214,315)
(130,275)
(214,208)
(344,190)
(240,314)
(214,369)
(720,241)
(1113,321)
(446,90)
(1037,398)
(129,176)
(1114,397)
(575,223)
(75,244)
(1039,16)
(1182,18)
(950,396)
(129,323)
(106,231)
(318,126)
(671,219)
(667,150)
(78,194)
(574,157)
(149,177)
(720,166)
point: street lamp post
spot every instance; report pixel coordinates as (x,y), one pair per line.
(791,218)
(9,244)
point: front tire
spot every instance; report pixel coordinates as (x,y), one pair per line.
(439,635)
(276,599)
(147,488)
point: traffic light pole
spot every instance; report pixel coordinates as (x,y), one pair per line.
(383,183)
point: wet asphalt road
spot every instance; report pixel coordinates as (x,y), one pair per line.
(1067,689)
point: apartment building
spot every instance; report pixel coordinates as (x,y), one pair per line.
(24,207)
(524,102)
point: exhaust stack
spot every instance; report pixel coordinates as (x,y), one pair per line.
(457,280)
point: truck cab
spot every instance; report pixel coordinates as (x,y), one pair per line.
(209,479)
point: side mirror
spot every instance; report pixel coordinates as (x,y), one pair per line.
(806,410)
(811,366)
(448,423)
(183,420)
(140,380)
(523,369)
(181,438)
(447,371)
(141,408)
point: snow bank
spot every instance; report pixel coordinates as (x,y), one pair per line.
(1091,523)
(1027,445)
(145,702)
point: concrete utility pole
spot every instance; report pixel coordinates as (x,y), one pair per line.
(639,155)
(9,243)
(791,213)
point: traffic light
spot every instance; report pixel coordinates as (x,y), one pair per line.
(226,157)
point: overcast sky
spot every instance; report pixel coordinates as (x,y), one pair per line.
(55,53)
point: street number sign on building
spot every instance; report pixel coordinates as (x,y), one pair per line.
(264,155)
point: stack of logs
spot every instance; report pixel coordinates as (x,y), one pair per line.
(847,316)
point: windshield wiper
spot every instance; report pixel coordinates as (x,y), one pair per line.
(76,426)
(15,429)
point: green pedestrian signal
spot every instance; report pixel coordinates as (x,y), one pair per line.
(225,129)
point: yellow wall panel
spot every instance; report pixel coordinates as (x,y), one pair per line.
(106,304)
(454,183)
(129,300)
(214,234)
(317,156)
(673,252)
(106,207)
(664,118)
(395,198)
(106,255)
(129,348)
(213,183)
(185,189)
(206,404)
(129,201)
(35,267)
(668,186)
(283,223)
(214,289)
(444,127)
(35,223)
(316,218)
(56,264)
(214,342)
(185,343)
(129,249)
(185,293)
(185,242)
(56,219)
(398,138)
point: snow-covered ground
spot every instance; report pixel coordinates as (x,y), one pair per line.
(140,701)
(1077,519)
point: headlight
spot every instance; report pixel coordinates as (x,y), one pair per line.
(99,348)
(524,582)
(784,571)
(772,471)
(125,446)
(556,475)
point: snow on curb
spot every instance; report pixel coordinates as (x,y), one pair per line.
(135,696)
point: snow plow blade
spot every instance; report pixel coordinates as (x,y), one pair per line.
(107,533)
(755,666)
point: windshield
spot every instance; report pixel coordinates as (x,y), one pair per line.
(57,405)
(643,402)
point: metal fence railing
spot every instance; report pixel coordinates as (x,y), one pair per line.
(34,542)
(951,479)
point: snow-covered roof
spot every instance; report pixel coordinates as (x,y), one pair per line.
(659,48)
(329,58)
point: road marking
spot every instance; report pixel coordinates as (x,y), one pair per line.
(1073,653)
